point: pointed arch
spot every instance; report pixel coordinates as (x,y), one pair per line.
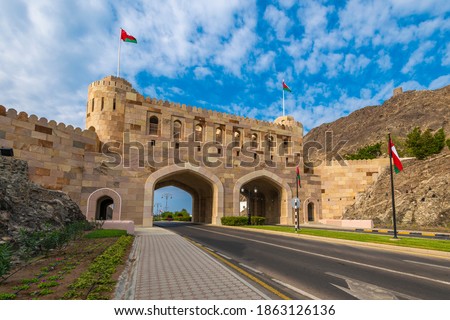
(154,178)
(286,193)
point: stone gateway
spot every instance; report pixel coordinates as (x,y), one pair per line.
(230,165)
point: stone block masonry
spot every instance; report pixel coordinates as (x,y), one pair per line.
(136,145)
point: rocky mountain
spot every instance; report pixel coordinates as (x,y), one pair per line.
(398,115)
(422,195)
(24,204)
(422,188)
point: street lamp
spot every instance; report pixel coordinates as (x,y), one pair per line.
(249,197)
(167,196)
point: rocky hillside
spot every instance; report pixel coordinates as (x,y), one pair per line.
(399,115)
(26,205)
(422,195)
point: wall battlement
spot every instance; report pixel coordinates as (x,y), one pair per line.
(33,119)
(122,84)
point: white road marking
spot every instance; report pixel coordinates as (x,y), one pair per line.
(329,257)
(222,255)
(250,268)
(428,264)
(367,291)
(304,293)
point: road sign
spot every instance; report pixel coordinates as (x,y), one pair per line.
(295,203)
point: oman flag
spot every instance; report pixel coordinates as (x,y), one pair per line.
(395,158)
(126,37)
(298,177)
(286,88)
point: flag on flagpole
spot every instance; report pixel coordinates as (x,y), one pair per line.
(286,88)
(396,159)
(298,177)
(124,36)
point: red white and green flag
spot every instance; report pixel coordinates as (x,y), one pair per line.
(124,36)
(298,177)
(286,88)
(395,158)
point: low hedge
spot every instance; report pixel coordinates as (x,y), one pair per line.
(234,221)
(242,221)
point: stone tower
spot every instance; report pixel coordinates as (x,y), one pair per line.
(105,110)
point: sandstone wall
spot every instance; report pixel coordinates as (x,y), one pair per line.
(56,154)
(340,185)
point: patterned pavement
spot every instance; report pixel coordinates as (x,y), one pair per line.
(165,266)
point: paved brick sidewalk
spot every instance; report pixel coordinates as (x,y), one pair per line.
(165,266)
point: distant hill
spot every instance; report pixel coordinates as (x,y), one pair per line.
(400,114)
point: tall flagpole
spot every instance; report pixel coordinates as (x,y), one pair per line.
(283,97)
(392,188)
(118,54)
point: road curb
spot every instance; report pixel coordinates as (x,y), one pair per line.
(418,251)
(437,235)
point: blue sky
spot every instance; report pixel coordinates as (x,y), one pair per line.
(231,55)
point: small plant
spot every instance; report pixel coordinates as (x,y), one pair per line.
(22,287)
(29,281)
(7,296)
(42,292)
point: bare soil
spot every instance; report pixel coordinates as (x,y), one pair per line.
(49,277)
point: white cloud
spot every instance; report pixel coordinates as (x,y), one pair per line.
(278,21)
(446,56)
(418,56)
(264,62)
(355,64)
(202,72)
(440,82)
(384,61)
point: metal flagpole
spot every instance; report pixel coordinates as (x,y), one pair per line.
(118,54)
(392,188)
(283,97)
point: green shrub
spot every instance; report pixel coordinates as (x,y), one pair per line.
(5,258)
(258,221)
(234,221)
(368,152)
(421,145)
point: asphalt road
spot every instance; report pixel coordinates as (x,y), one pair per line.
(315,269)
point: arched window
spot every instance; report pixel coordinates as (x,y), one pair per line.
(270,140)
(254,142)
(236,136)
(310,211)
(153,125)
(198,133)
(177,126)
(219,134)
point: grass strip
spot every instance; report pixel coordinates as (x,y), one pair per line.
(430,244)
(105,233)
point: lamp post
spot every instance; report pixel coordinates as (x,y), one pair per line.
(167,196)
(249,197)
